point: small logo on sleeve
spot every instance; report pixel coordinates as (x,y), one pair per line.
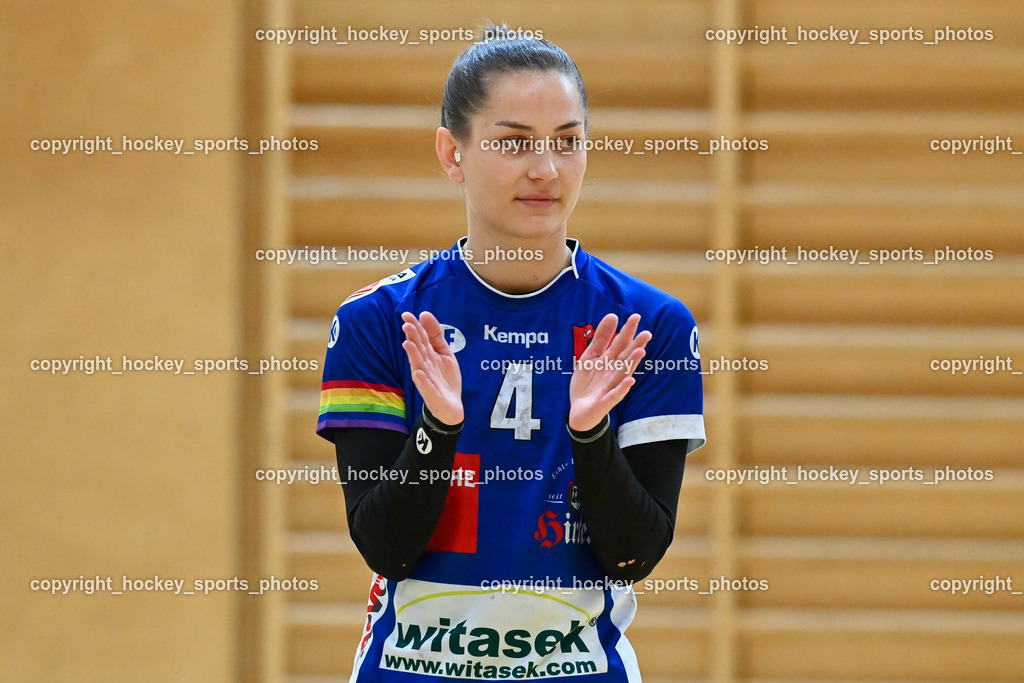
(373,287)
(335,333)
(423,443)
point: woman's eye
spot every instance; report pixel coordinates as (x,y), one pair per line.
(514,145)
(569,143)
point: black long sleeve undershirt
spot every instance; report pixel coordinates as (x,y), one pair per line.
(392,519)
(628,497)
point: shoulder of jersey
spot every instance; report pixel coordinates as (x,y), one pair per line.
(395,286)
(630,290)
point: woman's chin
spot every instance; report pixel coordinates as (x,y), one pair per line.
(536,228)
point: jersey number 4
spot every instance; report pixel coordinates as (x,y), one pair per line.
(517,387)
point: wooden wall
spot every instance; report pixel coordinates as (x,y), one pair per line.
(131,475)
(150,474)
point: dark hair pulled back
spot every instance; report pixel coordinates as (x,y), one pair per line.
(501,51)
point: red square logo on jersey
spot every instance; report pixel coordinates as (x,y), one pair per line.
(457,530)
(581,338)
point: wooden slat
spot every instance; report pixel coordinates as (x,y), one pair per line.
(303,442)
(837,361)
(376,222)
(317,292)
(818,429)
(341,577)
(367,151)
(882,13)
(382,75)
(863,78)
(315,507)
(870,157)
(944,510)
(895,655)
(894,227)
(876,584)
(876,647)
(837,293)
(323,649)
(870,196)
(909,294)
(344,577)
(669,650)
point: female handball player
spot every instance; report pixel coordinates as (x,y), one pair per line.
(511,456)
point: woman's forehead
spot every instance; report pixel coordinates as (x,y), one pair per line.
(533,99)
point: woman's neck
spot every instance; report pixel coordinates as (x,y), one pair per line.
(519,268)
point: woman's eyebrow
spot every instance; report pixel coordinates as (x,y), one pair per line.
(523,126)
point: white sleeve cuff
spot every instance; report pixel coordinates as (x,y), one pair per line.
(663,428)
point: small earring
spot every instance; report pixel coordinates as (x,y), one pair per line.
(458,158)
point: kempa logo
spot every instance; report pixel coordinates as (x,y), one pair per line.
(520,338)
(487,642)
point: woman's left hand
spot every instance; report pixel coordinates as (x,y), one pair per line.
(603,374)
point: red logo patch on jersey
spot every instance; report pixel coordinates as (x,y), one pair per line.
(457,530)
(552,530)
(581,338)
(373,608)
(545,523)
(373,287)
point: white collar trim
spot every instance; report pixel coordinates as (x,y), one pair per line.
(572,266)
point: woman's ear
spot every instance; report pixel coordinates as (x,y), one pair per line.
(448,154)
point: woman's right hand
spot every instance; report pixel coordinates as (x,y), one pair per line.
(435,371)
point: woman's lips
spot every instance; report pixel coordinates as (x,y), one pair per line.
(537,201)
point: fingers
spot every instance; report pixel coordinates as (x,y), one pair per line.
(626,346)
(619,391)
(637,345)
(625,336)
(425,381)
(412,328)
(434,332)
(415,344)
(602,335)
(415,358)
(633,360)
(426,332)
(621,345)
(433,367)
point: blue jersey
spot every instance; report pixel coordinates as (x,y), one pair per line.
(509,586)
